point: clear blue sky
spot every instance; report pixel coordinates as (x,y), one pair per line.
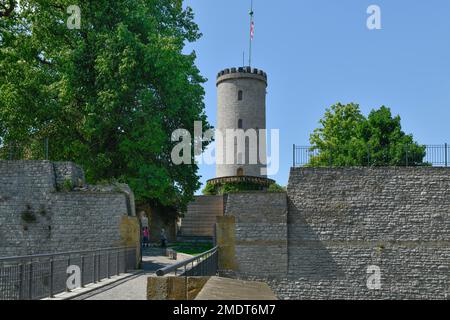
(320,52)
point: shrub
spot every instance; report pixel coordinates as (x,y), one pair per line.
(275,187)
(209,190)
(43,211)
(239,187)
(67,185)
(28,215)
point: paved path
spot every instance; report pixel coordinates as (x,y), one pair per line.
(135,288)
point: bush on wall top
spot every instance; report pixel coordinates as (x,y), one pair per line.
(239,187)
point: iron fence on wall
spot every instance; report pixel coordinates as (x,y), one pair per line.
(43,276)
(435,155)
(14,150)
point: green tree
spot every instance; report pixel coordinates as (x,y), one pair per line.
(387,144)
(348,138)
(108,95)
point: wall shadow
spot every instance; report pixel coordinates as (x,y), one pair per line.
(308,258)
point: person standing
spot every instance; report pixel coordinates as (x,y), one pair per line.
(163,238)
(146,236)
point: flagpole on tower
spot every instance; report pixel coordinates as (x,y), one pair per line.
(252,30)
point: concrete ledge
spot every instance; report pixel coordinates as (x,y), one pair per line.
(174,288)
(229,289)
(206,288)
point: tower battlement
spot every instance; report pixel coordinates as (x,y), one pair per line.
(241,72)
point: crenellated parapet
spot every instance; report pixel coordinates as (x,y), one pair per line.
(241,72)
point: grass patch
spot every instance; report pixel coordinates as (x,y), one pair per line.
(192,248)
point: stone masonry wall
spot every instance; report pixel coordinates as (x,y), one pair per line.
(68,172)
(260,232)
(343,220)
(37,216)
(201,216)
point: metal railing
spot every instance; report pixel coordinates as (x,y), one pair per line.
(205,264)
(14,150)
(43,276)
(435,155)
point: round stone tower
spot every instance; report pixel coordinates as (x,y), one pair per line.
(241,105)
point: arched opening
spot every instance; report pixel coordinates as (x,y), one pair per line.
(240,124)
(240,95)
(240,172)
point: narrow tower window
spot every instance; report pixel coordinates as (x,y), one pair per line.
(240,95)
(240,124)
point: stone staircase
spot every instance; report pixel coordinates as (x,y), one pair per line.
(200,219)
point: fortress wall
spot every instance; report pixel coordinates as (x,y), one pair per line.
(57,220)
(260,232)
(68,172)
(26,177)
(342,220)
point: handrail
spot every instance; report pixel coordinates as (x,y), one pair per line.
(50,255)
(44,275)
(174,267)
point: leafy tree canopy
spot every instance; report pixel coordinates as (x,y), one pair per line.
(108,96)
(348,138)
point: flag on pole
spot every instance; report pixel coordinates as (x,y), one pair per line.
(252,34)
